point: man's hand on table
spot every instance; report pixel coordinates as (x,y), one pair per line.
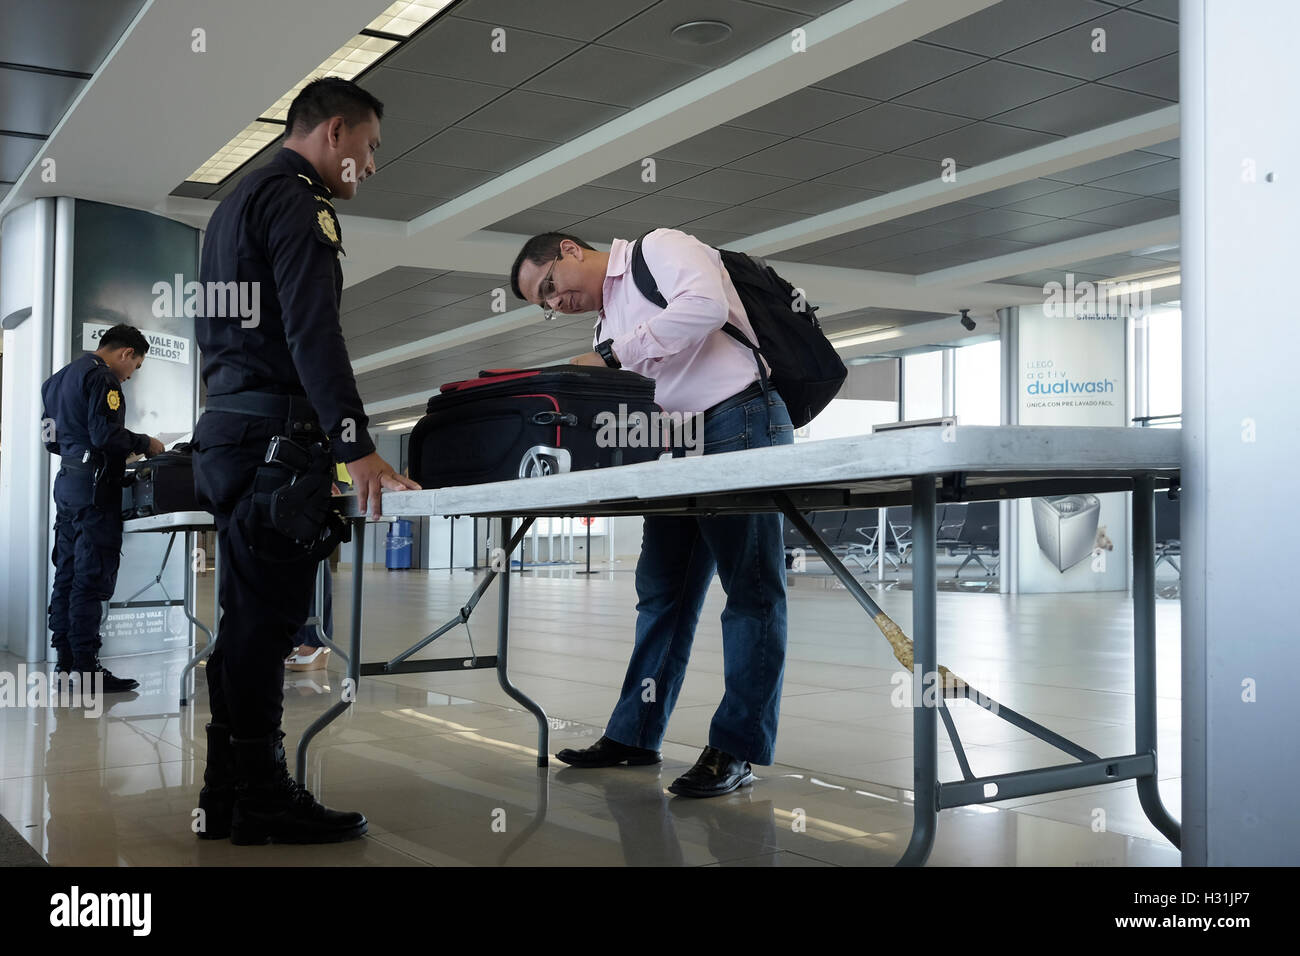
(371,475)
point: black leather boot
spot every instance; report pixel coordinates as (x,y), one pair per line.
(272,808)
(217,798)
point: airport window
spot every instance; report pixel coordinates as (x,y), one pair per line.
(923,385)
(1165,360)
(978,384)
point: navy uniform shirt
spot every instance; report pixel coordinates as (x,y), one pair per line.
(279,229)
(84,410)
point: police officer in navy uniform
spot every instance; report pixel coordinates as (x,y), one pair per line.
(83,423)
(282,371)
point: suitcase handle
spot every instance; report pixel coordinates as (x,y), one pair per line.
(552,418)
(500,374)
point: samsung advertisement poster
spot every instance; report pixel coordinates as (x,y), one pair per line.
(1072,372)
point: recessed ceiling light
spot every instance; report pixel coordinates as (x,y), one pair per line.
(406,16)
(701,32)
(347,62)
(250,141)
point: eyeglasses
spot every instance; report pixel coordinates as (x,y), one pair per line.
(546,290)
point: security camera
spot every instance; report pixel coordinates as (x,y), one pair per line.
(967,321)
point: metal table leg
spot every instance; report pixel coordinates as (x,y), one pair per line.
(162,569)
(352,681)
(1144,654)
(319,619)
(925,746)
(216,623)
(503,646)
(189,599)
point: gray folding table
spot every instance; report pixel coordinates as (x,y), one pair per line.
(916,467)
(186,523)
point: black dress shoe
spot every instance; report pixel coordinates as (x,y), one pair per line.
(714,774)
(86,669)
(609,753)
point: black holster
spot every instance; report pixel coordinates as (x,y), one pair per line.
(292,495)
(105,482)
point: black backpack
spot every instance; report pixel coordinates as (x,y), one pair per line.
(806,369)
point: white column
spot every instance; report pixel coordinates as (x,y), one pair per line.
(1241,437)
(1009,511)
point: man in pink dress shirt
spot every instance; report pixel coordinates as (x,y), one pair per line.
(696,368)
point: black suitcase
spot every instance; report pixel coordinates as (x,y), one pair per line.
(525,423)
(159,485)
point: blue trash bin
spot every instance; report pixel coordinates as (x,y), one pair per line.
(397,549)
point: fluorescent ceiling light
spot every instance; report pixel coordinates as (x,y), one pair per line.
(1172,269)
(396,426)
(250,141)
(406,16)
(852,340)
(1161,283)
(347,62)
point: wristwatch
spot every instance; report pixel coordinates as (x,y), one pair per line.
(605,350)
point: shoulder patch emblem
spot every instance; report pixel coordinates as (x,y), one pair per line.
(326,223)
(114,399)
(326,227)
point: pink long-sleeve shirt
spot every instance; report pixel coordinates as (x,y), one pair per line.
(694,363)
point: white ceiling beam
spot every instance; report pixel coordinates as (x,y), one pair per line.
(1113,242)
(835,41)
(430,345)
(834,290)
(1068,153)
(934,332)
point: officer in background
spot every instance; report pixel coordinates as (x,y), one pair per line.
(283,373)
(83,421)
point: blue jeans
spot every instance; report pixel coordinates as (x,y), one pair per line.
(678,558)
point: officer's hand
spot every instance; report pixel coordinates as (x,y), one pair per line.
(155,446)
(370,475)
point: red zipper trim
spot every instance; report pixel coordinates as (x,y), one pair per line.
(476,382)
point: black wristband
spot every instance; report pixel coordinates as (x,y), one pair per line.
(605,350)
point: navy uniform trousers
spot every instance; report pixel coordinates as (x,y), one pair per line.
(267,581)
(87,551)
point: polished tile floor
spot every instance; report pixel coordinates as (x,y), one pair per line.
(444,764)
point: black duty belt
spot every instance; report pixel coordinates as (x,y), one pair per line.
(71,464)
(293,409)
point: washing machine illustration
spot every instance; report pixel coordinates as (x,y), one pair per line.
(1066,526)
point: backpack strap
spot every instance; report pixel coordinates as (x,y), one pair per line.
(648,287)
(644,278)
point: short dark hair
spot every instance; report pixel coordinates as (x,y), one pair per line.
(124,337)
(327,97)
(540,250)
